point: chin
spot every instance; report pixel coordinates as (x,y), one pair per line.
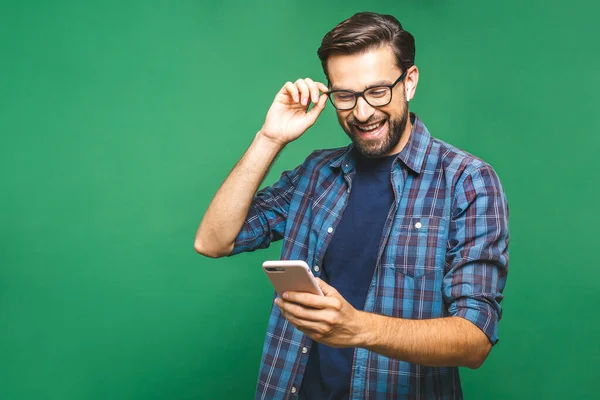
(383,143)
(371,151)
(375,148)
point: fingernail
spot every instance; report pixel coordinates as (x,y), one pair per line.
(285,295)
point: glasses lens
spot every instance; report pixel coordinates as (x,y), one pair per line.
(378,96)
(343,100)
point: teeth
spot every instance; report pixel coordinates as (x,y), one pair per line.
(369,127)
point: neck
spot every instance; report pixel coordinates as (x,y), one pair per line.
(404,138)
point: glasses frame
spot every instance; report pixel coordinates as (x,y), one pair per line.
(362,94)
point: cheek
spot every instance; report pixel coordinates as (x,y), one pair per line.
(393,111)
(343,118)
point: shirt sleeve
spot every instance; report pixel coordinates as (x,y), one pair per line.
(267,215)
(477,256)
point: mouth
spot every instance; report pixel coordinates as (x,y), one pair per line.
(370,130)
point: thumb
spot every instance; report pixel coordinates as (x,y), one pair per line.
(328,291)
(314,112)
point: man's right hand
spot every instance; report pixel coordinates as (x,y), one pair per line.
(288,118)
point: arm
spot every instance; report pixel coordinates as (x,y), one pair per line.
(227,211)
(287,119)
(477,262)
(477,258)
(436,342)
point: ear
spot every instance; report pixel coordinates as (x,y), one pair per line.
(411,81)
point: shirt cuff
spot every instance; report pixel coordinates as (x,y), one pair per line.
(480,313)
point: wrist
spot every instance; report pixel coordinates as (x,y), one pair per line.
(267,140)
(366,330)
(264,148)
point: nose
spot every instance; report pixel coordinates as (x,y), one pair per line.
(363,111)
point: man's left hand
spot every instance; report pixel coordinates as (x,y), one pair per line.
(327,319)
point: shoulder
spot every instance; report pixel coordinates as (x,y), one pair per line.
(314,166)
(329,155)
(473,180)
(458,163)
(321,158)
(453,159)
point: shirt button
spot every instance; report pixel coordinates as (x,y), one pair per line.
(329,230)
(293,389)
(317,268)
(418,225)
(304,350)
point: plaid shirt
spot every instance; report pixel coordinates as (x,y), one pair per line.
(443,253)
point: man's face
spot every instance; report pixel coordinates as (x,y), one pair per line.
(375,131)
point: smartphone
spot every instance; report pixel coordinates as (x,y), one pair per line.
(291,275)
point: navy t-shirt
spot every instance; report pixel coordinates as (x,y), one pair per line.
(348,266)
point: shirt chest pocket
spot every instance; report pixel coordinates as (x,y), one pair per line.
(417,245)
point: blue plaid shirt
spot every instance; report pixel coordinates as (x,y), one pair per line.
(443,253)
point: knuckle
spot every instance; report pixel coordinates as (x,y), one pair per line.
(337,305)
(325,331)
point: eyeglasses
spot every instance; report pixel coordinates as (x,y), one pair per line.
(375,96)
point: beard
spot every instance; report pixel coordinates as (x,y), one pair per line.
(381,146)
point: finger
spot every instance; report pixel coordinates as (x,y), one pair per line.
(304,92)
(308,299)
(300,313)
(314,113)
(322,87)
(314,90)
(328,291)
(292,90)
(314,329)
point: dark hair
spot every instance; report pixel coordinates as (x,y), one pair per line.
(364,31)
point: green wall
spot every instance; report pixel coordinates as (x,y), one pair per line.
(120,119)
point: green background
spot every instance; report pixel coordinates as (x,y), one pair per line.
(120,119)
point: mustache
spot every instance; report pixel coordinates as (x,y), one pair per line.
(373,118)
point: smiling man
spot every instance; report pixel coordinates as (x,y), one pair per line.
(407,235)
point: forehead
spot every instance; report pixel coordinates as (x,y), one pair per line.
(358,71)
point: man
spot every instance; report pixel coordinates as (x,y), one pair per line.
(407,235)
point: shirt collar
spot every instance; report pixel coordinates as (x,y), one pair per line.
(346,160)
(412,155)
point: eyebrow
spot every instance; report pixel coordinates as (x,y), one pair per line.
(374,84)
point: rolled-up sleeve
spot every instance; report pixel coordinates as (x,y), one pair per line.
(267,215)
(477,256)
